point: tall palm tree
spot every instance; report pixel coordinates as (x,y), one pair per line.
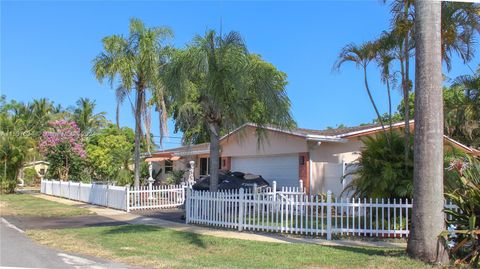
(361,55)
(136,61)
(215,82)
(427,212)
(84,115)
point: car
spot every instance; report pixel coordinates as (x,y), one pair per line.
(228,180)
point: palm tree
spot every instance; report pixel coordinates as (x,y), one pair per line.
(88,122)
(427,212)
(361,55)
(136,61)
(216,83)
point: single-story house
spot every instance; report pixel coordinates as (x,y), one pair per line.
(318,157)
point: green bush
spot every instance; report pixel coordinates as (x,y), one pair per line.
(175,177)
(382,172)
(462,188)
(30,176)
(124,177)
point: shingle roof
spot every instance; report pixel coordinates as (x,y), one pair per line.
(335,131)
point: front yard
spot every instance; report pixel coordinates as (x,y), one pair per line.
(31,206)
(158,247)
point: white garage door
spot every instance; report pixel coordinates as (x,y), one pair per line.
(281,168)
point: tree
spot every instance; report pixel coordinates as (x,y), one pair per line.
(87,121)
(427,212)
(361,55)
(137,61)
(63,149)
(216,83)
(109,152)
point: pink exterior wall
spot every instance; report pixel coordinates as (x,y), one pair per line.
(244,143)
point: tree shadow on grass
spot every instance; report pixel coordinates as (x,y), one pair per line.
(190,238)
(372,251)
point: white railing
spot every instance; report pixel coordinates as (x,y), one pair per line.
(165,196)
(124,198)
(103,195)
(299,213)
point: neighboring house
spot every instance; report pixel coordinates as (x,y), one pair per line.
(318,157)
(40,167)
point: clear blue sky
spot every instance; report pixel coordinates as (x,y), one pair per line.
(47,48)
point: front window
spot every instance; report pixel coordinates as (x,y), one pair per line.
(204,166)
(168,166)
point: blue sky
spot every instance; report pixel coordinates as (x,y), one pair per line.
(47,48)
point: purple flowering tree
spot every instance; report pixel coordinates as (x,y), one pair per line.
(63,148)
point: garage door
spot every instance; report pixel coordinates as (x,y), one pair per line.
(281,168)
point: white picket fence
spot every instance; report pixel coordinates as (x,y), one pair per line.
(123,198)
(298,213)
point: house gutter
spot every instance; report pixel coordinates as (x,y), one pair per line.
(325,138)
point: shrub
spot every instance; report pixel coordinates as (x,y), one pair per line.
(175,177)
(29,176)
(382,172)
(462,187)
(124,177)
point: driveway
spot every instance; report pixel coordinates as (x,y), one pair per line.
(17,250)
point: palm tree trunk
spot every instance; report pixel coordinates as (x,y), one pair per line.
(117,115)
(389,104)
(406,85)
(138,134)
(214,154)
(371,98)
(427,213)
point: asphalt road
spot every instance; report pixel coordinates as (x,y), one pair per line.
(17,250)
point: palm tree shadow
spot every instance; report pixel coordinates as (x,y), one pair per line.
(190,238)
(372,251)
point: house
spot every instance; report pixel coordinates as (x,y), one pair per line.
(40,168)
(318,157)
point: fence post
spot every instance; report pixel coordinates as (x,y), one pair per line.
(107,195)
(188,194)
(241,201)
(69,191)
(274,190)
(329,215)
(301,185)
(127,198)
(79,191)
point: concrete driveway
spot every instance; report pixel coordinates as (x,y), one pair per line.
(17,250)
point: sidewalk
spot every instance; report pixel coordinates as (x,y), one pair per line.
(270,237)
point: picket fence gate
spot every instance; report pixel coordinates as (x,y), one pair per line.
(123,198)
(295,212)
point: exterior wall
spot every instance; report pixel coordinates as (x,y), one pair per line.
(326,157)
(245,143)
(226,163)
(304,170)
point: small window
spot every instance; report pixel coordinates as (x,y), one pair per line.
(204,166)
(301,160)
(42,171)
(168,166)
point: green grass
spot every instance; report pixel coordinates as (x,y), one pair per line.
(165,248)
(29,205)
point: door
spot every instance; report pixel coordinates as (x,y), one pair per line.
(280,168)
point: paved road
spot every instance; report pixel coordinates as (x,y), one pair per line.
(17,250)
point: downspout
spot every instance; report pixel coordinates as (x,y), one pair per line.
(310,172)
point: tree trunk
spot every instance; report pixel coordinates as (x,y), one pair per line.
(371,99)
(138,134)
(214,155)
(428,201)
(406,85)
(117,115)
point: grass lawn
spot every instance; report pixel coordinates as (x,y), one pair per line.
(165,248)
(29,205)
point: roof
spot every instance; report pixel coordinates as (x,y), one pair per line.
(184,150)
(328,135)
